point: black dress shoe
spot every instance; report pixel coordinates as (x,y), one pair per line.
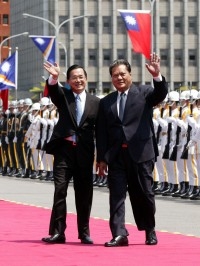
(118,241)
(54,239)
(151,238)
(86,240)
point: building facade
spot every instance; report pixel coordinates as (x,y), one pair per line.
(4,28)
(99,37)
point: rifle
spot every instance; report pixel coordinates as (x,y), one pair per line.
(159,127)
(178,131)
(166,151)
(185,150)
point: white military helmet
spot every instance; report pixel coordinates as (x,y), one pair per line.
(198,95)
(35,107)
(20,103)
(173,96)
(185,95)
(193,95)
(13,104)
(28,101)
(44,101)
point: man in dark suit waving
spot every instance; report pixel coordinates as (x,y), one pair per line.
(72,144)
(126,148)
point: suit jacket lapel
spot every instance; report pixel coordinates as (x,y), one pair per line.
(71,105)
(113,104)
(87,108)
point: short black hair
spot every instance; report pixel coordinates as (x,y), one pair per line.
(74,67)
(120,62)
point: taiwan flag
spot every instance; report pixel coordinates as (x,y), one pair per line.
(138,25)
(47,46)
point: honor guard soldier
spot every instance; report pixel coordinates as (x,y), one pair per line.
(184,111)
(171,141)
(32,137)
(190,153)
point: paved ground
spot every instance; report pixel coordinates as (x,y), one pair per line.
(172,215)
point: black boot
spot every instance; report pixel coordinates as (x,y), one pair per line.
(103,183)
(173,189)
(195,193)
(167,190)
(27,173)
(177,193)
(34,175)
(187,194)
(164,186)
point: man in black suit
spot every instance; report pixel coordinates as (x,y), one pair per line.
(72,144)
(127,149)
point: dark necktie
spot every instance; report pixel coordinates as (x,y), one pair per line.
(122,105)
(78,109)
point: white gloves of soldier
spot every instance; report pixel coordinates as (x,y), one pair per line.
(191,121)
(171,119)
(191,143)
(6,140)
(15,140)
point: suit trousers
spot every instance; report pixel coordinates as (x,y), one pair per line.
(125,175)
(65,167)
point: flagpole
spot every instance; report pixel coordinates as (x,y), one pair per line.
(16,71)
(152,9)
(10,37)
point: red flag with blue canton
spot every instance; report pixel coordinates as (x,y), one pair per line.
(138,25)
(7,73)
(47,46)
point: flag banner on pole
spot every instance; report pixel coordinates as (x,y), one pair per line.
(45,92)
(4,96)
(7,73)
(46,45)
(138,25)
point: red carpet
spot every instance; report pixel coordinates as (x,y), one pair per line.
(23,226)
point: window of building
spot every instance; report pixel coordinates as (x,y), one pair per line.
(164,56)
(106,57)
(178,25)
(107,25)
(192,25)
(136,59)
(6,43)
(5,19)
(64,28)
(92,24)
(92,87)
(78,56)
(62,57)
(177,86)
(164,25)
(121,29)
(92,56)
(192,57)
(106,87)
(78,26)
(178,58)
(121,53)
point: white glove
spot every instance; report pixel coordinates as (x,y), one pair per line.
(191,121)
(171,119)
(7,112)
(181,123)
(15,140)
(6,140)
(191,143)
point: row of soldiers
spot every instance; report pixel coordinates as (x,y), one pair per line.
(25,128)
(177,130)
